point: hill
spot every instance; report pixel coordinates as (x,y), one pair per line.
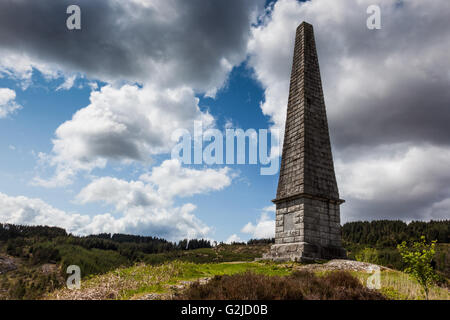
(33,260)
(171,280)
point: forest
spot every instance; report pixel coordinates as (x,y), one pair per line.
(376,241)
(34,248)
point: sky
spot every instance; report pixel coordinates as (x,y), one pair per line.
(87,116)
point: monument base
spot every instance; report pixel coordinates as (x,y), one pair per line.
(303,252)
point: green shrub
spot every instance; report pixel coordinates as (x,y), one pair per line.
(370,255)
(418,258)
(94,261)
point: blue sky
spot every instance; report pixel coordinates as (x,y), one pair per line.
(30,130)
(86,116)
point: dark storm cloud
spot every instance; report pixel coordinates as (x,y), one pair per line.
(418,112)
(176,42)
(387,94)
(419,209)
(400,75)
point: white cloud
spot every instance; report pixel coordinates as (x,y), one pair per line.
(174,224)
(408,171)
(158,188)
(270,49)
(172,179)
(122,194)
(16,66)
(23,210)
(142,207)
(150,199)
(402,181)
(233,238)
(19,67)
(265,226)
(124,124)
(8,105)
(173,49)
(68,83)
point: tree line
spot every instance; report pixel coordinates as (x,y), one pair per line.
(389,233)
(103,241)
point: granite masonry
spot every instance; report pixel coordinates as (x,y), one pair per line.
(307,202)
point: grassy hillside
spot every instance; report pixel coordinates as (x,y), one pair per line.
(166,280)
(134,282)
(33,260)
(31,278)
(221,253)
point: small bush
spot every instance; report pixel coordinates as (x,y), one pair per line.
(298,286)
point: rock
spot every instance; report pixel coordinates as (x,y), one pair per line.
(7,264)
(344,265)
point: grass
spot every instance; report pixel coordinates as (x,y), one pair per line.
(133,282)
(93,261)
(221,253)
(28,282)
(159,273)
(137,281)
(397,285)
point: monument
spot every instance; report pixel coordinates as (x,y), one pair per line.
(307,201)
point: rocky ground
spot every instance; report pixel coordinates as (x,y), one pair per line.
(340,264)
(7,263)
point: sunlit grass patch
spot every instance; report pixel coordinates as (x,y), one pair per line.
(140,280)
(126,283)
(397,285)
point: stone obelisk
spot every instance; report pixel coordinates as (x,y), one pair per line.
(307,201)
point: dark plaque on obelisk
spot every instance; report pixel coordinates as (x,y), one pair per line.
(307,202)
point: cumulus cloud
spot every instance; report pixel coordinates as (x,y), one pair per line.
(23,210)
(158,188)
(143,207)
(233,238)
(174,224)
(150,199)
(17,65)
(172,179)
(401,181)
(174,49)
(122,194)
(173,42)
(387,96)
(264,227)
(123,124)
(155,58)
(8,105)
(67,84)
